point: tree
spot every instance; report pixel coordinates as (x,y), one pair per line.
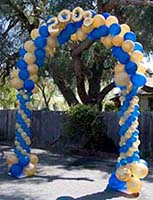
(74,65)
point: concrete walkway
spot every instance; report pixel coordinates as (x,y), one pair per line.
(66,178)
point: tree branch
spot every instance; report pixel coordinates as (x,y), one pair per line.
(113,3)
(78,49)
(104,92)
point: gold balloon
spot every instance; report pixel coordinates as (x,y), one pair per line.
(11,159)
(29,46)
(87,13)
(67,16)
(34,33)
(107,41)
(81,35)
(117,40)
(33,69)
(77,14)
(111,20)
(122,78)
(141,69)
(128,46)
(29,170)
(124,29)
(136,56)
(74,37)
(49,51)
(34,159)
(134,185)
(123,173)
(52,42)
(54,32)
(17,83)
(98,20)
(139,170)
(29,58)
(35,90)
(87,29)
(119,68)
(15,73)
(34,78)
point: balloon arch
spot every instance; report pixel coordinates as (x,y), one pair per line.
(79,25)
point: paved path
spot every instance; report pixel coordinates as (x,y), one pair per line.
(66,178)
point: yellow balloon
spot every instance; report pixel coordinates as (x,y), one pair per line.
(123,173)
(51,42)
(29,46)
(34,33)
(119,68)
(34,159)
(74,37)
(124,29)
(136,56)
(111,20)
(98,20)
(88,22)
(29,58)
(15,73)
(29,170)
(77,14)
(34,78)
(141,69)
(117,40)
(81,35)
(35,90)
(17,83)
(134,185)
(11,159)
(122,78)
(128,46)
(54,32)
(87,29)
(139,170)
(107,41)
(33,69)
(49,51)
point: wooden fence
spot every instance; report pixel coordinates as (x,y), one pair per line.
(47,126)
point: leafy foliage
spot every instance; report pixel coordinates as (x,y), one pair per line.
(85,126)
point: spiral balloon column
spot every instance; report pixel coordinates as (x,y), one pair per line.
(79,25)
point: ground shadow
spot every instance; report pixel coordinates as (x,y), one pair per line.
(106,194)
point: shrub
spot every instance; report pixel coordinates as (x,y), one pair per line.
(85,127)
(110,106)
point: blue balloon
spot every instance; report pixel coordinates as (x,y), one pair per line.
(40,53)
(121,55)
(129,159)
(115,183)
(63,37)
(21,64)
(16,170)
(131,67)
(143,162)
(22,52)
(40,62)
(24,160)
(29,85)
(138,80)
(114,29)
(98,32)
(78,24)
(138,47)
(123,161)
(105,15)
(130,36)
(70,28)
(24,74)
(40,42)
(43,30)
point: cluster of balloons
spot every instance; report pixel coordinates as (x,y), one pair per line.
(78,25)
